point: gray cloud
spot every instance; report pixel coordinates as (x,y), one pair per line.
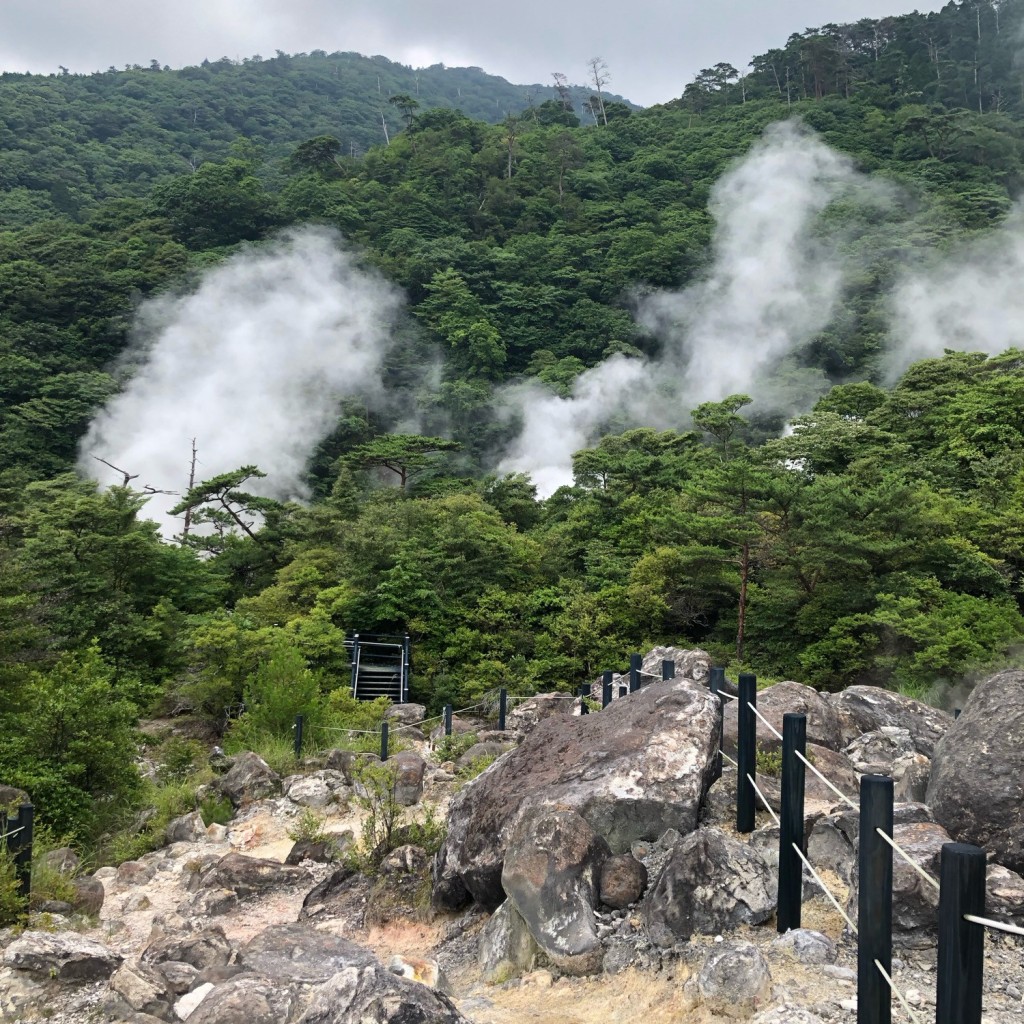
(653,50)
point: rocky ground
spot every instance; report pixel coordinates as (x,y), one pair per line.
(216,928)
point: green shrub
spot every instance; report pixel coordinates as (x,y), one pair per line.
(179,759)
(451,748)
(428,831)
(475,767)
(308,827)
(769,762)
(216,809)
(375,789)
(12,903)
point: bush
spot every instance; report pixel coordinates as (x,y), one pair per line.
(12,903)
(180,759)
(475,767)
(308,827)
(216,809)
(451,748)
(375,788)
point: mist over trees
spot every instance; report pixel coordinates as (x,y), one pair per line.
(875,540)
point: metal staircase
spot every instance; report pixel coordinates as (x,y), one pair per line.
(380,666)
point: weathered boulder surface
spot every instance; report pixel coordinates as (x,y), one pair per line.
(689,664)
(373,995)
(409,769)
(89,895)
(875,753)
(977,782)
(207,948)
(807,947)
(551,873)
(486,748)
(734,979)
(63,860)
(640,767)
(864,709)
(143,988)
(836,767)
(787,698)
(710,883)
(526,715)
(250,778)
(245,1000)
(248,875)
(507,948)
(299,952)
(62,956)
(406,714)
(189,828)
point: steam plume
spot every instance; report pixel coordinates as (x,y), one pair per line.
(771,287)
(252,363)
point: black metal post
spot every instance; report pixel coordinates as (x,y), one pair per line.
(791,820)
(746,753)
(23,856)
(623,689)
(584,697)
(635,661)
(355,663)
(406,667)
(956,713)
(874,901)
(961,943)
(502,708)
(300,721)
(447,719)
(383,741)
(606,689)
(668,670)
(716,680)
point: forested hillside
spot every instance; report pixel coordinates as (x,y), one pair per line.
(877,541)
(70,140)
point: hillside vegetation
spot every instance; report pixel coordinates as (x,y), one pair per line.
(878,542)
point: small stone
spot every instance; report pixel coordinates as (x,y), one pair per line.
(1014,993)
(539,979)
(189,1002)
(848,1004)
(839,973)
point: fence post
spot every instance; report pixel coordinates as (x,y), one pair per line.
(961,943)
(635,661)
(668,670)
(791,819)
(447,719)
(406,666)
(746,752)
(623,689)
(606,689)
(874,901)
(300,721)
(584,697)
(502,708)
(355,663)
(715,683)
(23,854)
(956,713)
(383,741)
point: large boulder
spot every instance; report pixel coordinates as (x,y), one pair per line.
(189,828)
(373,995)
(248,875)
(143,988)
(695,665)
(249,779)
(247,999)
(299,952)
(409,769)
(976,788)
(876,752)
(639,767)
(524,716)
(551,873)
(710,884)
(62,956)
(507,948)
(786,698)
(863,709)
(207,948)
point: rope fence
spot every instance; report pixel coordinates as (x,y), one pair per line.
(961,886)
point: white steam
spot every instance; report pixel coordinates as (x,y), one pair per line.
(252,364)
(771,287)
(972,301)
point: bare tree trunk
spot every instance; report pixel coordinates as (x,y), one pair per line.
(191,483)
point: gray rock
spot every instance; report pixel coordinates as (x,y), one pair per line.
(526,715)
(64,860)
(864,709)
(89,895)
(189,828)
(132,873)
(179,977)
(786,1015)
(551,873)
(806,946)
(912,780)
(250,778)
(409,777)
(689,664)
(734,980)
(373,995)
(490,748)
(62,956)
(12,798)
(318,790)
(246,1000)
(405,860)
(248,875)
(623,881)
(977,782)
(143,988)
(207,948)
(507,949)
(642,765)
(874,753)
(212,903)
(300,953)
(406,714)
(319,851)
(1004,897)
(775,701)
(424,972)
(710,884)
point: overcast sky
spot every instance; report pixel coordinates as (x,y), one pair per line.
(653,47)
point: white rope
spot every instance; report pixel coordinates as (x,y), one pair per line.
(898,994)
(906,856)
(472,707)
(768,806)
(998,925)
(547,696)
(725,696)
(650,675)
(825,889)
(753,707)
(334,728)
(839,793)
(729,759)
(13,832)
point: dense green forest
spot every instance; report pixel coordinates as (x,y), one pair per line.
(878,541)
